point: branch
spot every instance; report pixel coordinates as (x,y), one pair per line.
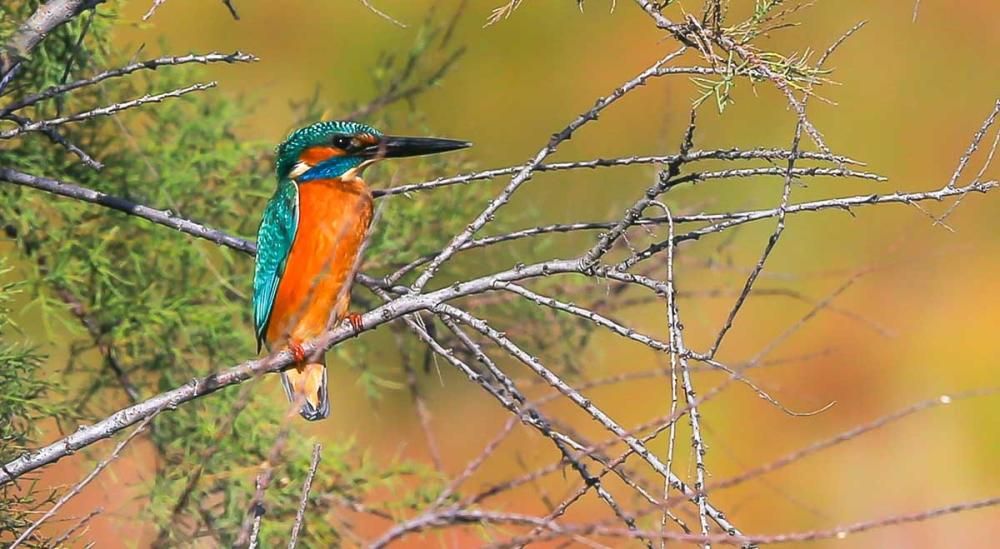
(58,139)
(157,3)
(839,532)
(58,542)
(83,483)
(452,517)
(279,361)
(382,14)
(170,219)
(526,172)
(772,241)
(105,111)
(251,524)
(728,220)
(717,154)
(510,398)
(693,34)
(47,18)
(300,514)
(850,434)
(161,217)
(150,64)
(587,405)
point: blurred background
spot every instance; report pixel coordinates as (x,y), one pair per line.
(921,322)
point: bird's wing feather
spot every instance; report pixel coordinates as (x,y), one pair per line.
(274,243)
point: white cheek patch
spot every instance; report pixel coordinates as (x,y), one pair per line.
(299,169)
(353,173)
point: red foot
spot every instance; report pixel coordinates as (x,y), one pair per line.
(356,323)
(297,351)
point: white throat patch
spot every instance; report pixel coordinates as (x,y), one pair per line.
(353,173)
(299,169)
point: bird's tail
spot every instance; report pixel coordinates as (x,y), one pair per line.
(306,383)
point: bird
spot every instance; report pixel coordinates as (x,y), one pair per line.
(310,239)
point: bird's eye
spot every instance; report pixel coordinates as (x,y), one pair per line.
(343,142)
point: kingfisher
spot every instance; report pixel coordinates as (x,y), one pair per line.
(310,240)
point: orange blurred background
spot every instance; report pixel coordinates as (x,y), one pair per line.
(908,99)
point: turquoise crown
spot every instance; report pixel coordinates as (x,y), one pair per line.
(320,133)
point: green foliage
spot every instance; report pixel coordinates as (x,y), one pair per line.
(19,369)
(28,396)
(151,308)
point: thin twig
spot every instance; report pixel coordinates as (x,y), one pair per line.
(963,162)
(149,64)
(528,170)
(58,139)
(106,110)
(83,483)
(850,434)
(692,156)
(584,403)
(57,542)
(300,514)
(251,525)
(382,14)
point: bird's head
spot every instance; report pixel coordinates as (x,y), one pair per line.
(326,150)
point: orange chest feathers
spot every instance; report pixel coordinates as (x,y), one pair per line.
(315,288)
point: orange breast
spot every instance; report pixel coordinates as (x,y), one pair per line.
(315,289)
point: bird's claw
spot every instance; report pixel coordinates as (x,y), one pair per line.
(297,352)
(356,323)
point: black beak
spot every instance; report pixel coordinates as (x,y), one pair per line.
(390,146)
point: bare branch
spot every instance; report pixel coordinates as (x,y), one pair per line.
(157,3)
(152,9)
(382,14)
(976,139)
(83,483)
(105,111)
(454,517)
(768,248)
(150,64)
(58,139)
(850,434)
(839,533)
(526,172)
(162,217)
(718,154)
(82,523)
(251,525)
(47,18)
(529,416)
(588,406)
(300,515)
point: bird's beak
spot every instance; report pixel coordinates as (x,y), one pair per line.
(391,146)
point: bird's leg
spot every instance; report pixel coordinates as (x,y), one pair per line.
(297,351)
(356,323)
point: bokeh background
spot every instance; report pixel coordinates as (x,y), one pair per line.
(921,323)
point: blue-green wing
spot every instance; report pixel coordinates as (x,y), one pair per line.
(274,242)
